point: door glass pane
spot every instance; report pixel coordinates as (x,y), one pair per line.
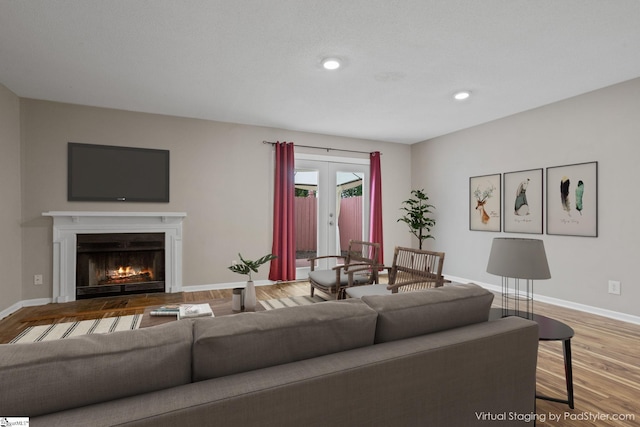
(349,208)
(306,216)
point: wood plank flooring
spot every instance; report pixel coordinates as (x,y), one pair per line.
(123,305)
(606,371)
(606,361)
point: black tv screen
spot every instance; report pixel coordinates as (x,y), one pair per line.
(123,174)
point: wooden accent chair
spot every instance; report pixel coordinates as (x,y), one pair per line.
(360,268)
(412,270)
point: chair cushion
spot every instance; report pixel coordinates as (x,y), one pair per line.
(361,291)
(243,342)
(46,377)
(410,314)
(327,278)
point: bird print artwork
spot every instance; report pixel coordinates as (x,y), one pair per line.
(579,193)
(575,211)
(521,207)
(564,194)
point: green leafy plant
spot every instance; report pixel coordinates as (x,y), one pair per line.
(246,266)
(416,210)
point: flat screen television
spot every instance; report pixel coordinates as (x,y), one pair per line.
(103,173)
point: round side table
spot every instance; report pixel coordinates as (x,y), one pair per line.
(552,330)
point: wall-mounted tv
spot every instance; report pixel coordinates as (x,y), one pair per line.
(103,173)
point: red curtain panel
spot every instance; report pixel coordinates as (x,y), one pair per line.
(284,245)
(375,203)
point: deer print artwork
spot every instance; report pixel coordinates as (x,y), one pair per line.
(483,214)
(481,198)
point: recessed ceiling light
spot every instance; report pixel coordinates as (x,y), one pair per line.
(331,63)
(462,95)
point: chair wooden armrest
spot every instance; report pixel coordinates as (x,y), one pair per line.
(312,260)
(354,265)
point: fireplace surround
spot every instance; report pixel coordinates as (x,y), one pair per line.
(67,226)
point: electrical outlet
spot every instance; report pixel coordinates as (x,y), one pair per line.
(37,279)
(614,287)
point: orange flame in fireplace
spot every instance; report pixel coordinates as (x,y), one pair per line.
(128,271)
(124,271)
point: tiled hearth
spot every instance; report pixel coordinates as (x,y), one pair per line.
(67,226)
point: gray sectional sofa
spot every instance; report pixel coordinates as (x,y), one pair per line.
(427,358)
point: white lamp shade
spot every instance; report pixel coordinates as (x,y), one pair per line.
(519,259)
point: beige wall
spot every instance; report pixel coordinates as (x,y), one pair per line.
(221,176)
(601,126)
(10,241)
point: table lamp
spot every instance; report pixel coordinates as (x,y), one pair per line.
(515,259)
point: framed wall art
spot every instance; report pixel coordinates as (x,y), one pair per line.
(485,203)
(523,211)
(572,200)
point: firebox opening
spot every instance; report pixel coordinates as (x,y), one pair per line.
(119,264)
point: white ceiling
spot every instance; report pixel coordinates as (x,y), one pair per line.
(258,61)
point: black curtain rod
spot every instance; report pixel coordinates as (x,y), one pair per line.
(323,148)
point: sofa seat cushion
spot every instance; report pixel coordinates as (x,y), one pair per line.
(45,377)
(247,341)
(409,314)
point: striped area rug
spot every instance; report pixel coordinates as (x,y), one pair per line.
(290,302)
(58,331)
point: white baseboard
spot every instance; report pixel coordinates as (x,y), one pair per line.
(26,303)
(624,317)
(218,286)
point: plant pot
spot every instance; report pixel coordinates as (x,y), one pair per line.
(250,297)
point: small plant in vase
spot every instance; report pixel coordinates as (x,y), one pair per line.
(246,267)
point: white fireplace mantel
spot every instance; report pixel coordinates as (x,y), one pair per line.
(68,224)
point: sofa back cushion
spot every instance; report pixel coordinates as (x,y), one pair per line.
(231,344)
(45,377)
(405,315)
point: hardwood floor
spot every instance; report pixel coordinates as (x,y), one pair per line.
(123,305)
(606,371)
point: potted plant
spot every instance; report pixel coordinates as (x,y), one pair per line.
(246,267)
(416,210)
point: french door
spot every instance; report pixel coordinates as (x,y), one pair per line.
(332,207)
